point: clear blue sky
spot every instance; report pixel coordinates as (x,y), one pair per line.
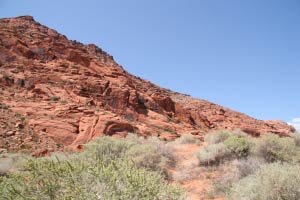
(244,55)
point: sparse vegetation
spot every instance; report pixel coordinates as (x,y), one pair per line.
(273,182)
(256,168)
(54,98)
(168,129)
(64,65)
(171,119)
(237,146)
(6,76)
(272,148)
(4,107)
(221,135)
(296,137)
(213,154)
(109,168)
(188,139)
(75,67)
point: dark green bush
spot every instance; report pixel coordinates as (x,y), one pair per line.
(237,146)
(54,98)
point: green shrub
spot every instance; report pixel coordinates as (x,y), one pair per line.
(213,154)
(232,147)
(296,137)
(54,98)
(246,167)
(271,182)
(106,170)
(222,135)
(234,171)
(237,146)
(164,149)
(272,148)
(108,148)
(188,139)
(146,156)
(217,136)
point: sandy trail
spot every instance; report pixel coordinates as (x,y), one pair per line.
(195,181)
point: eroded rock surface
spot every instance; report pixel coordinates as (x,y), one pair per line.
(69,93)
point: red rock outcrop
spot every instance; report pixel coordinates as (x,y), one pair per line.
(69,93)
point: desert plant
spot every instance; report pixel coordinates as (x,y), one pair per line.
(273,182)
(213,154)
(4,107)
(217,136)
(220,136)
(146,156)
(246,167)
(273,148)
(108,148)
(165,150)
(188,139)
(233,172)
(105,170)
(54,98)
(296,137)
(237,146)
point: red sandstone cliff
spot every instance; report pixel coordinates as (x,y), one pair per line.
(57,93)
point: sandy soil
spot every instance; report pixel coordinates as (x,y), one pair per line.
(194,180)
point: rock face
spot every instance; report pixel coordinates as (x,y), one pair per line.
(69,93)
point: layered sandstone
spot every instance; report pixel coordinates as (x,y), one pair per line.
(69,93)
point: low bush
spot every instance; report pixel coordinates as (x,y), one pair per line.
(296,137)
(146,156)
(54,98)
(256,165)
(188,139)
(233,147)
(232,173)
(222,135)
(106,170)
(273,182)
(217,136)
(108,148)
(237,146)
(246,167)
(164,149)
(272,148)
(213,154)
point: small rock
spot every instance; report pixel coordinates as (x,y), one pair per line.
(40,153)
(19,126)
(10,133)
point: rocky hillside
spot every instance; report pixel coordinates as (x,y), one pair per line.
(57,93)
